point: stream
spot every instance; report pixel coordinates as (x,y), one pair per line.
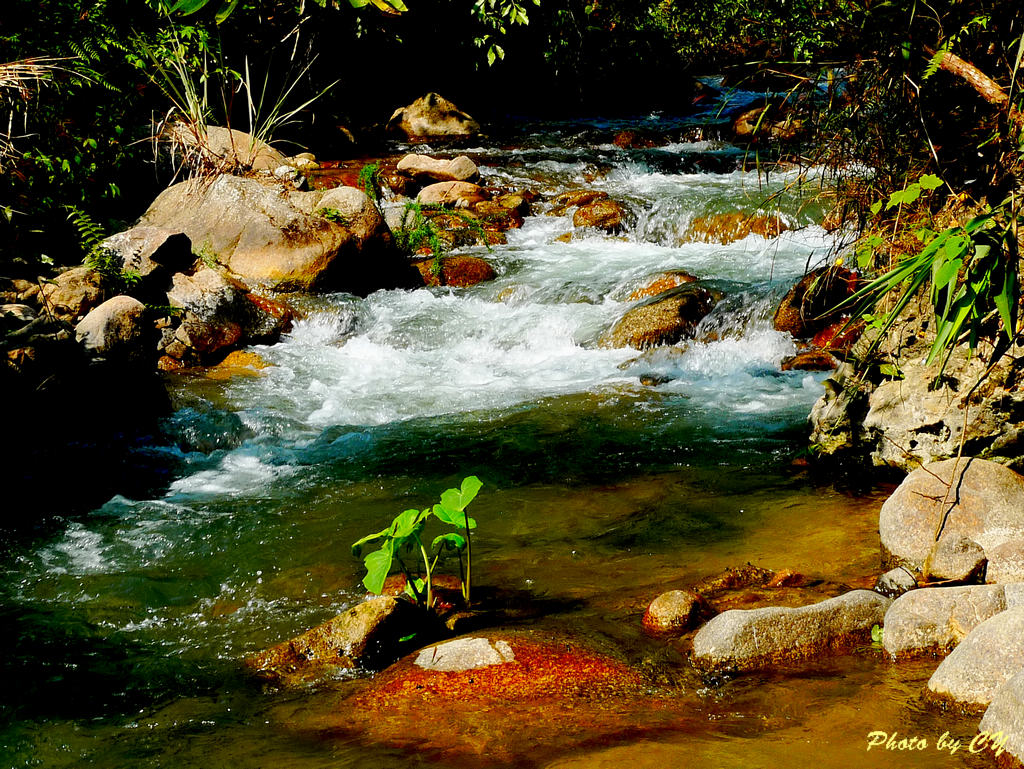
(125,627)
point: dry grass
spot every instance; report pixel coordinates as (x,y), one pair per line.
(19,81)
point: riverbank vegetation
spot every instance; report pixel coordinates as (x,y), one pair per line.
(905,90)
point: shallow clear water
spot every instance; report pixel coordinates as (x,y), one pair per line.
(125,628)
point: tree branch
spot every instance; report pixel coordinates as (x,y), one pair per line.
(986,87)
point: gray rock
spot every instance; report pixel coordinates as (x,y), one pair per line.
(895,582)
(906,422)
(1005,562)
(271,235)
(145,250)
(465,654)
(983,503)
(20,312)
(956,558)
(986,659)
(117,331)
(366,635)
(935,620)
(423,168)
(432,116)
(1005,714)
(758,638)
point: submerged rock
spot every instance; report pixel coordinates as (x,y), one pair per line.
(368,635)
(500,667)
(658,284)
(954,501)
(728,228)
(739,639)
(989,656)
(432,116)
(934,620)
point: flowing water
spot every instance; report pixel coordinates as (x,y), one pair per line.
(124,628)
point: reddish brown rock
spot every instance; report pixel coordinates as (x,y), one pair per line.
(810,305)
(636,140)
(809,360)
(456,271)
(501,668)
(575,198)
(659,284)
(727,228)
(839,336)
(604,214)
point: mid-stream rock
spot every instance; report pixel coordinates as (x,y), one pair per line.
(604,214)
(456,271)
(666,319)
(939,507)
(425,169)
(457,194)
(675,611)
(990,655)
(432,117)
(271,235)
(739,639)
(1005,716)
(808,307)
(728,228)
(367,635)
(935,620)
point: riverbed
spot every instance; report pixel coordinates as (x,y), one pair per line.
(126,626)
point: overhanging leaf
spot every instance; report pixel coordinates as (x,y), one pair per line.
(378,564)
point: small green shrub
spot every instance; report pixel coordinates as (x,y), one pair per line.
(333,215)
(369,181)
(405,536)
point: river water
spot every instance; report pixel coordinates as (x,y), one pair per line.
(125,627)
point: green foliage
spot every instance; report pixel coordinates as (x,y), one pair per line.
(369,181)
(416,231)
(97,257)
(876,636)
(333,215)
(972,271)
(405,536)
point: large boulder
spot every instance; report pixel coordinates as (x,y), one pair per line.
(939,507)
(739,639)
(151,255)
(990,655)
(935,620)
(1005,717)
(73,293)
(913,412)
(368,635)
(118,331)
(432,117)
(224,149)
(665,319)
(271,235)
(425,169)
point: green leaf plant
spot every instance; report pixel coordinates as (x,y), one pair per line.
(972,270)
(404,537)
